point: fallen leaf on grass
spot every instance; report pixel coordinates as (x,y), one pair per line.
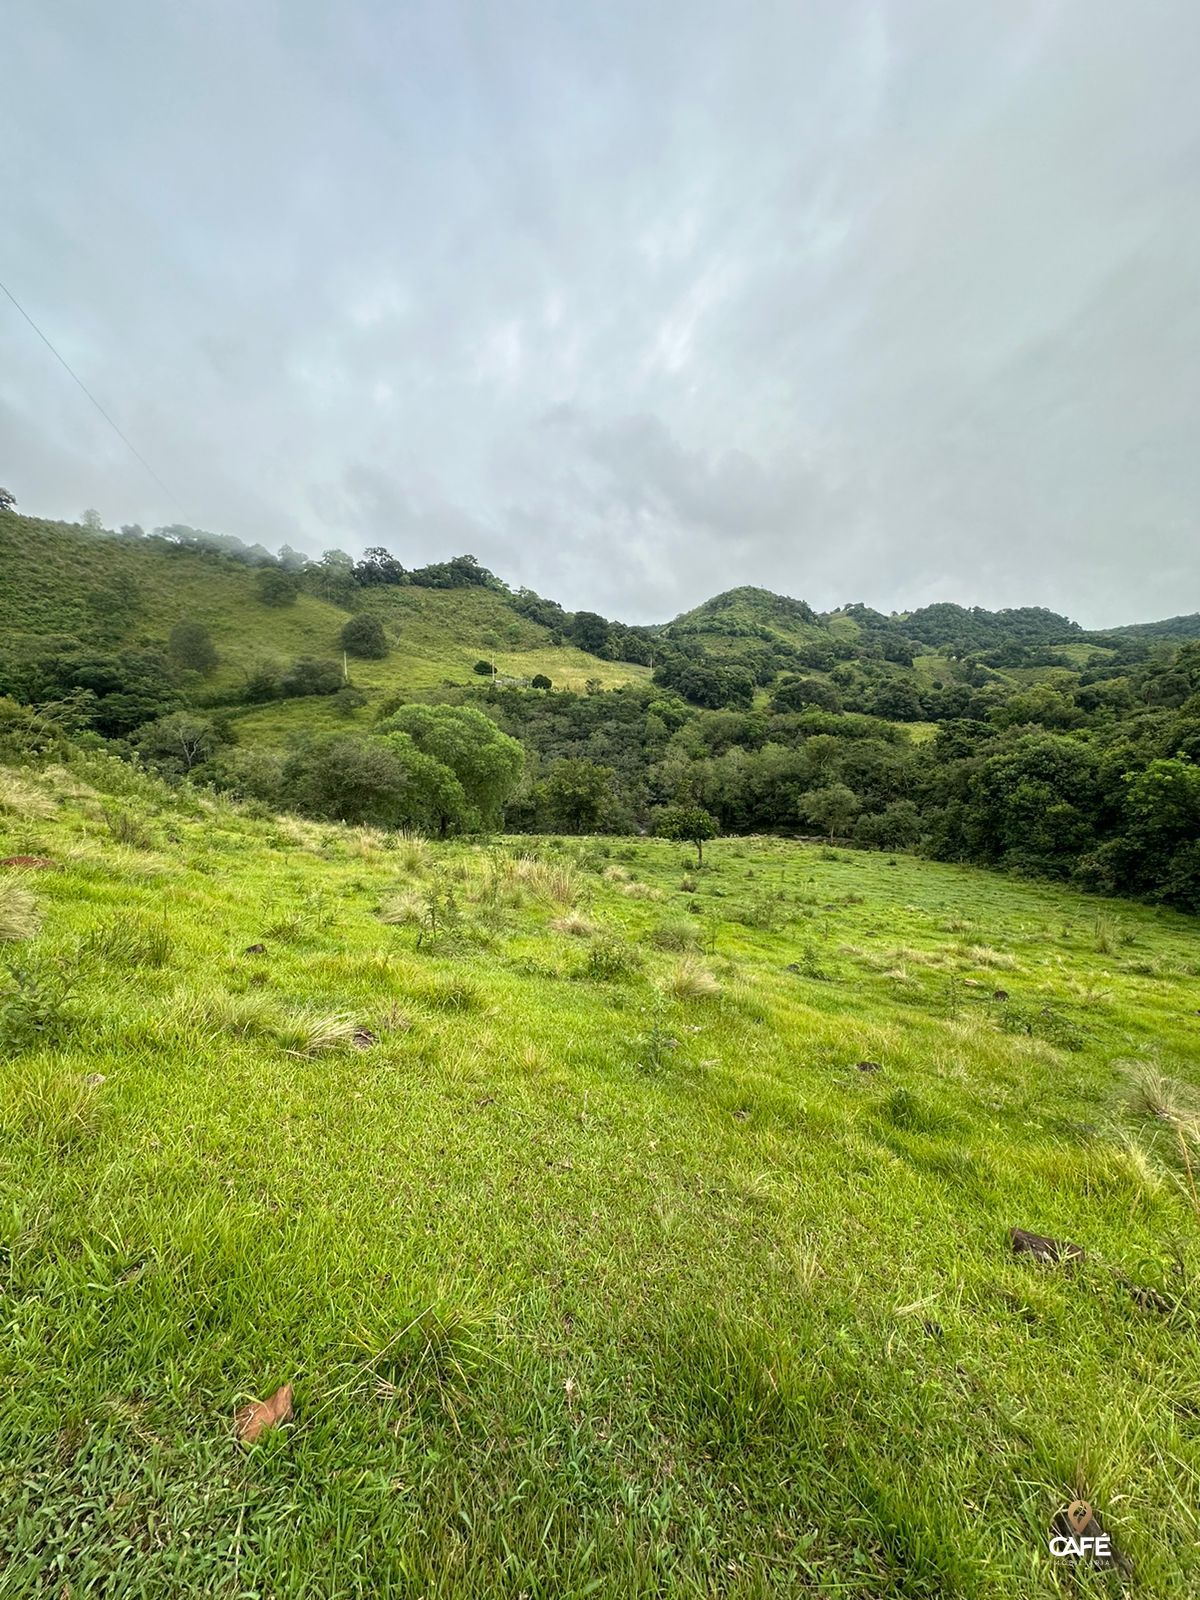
(251,1420)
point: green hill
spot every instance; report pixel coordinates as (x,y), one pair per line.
(67,585)
(1176,629)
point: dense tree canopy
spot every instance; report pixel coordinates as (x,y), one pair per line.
(363,636)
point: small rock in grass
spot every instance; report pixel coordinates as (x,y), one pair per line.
(1150,1299)
(363,1039)
(1043,1249)
(868,1066)
(255,950)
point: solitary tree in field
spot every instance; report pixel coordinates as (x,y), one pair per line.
(363,636)
(275,587)
(540,681)
(8,500)
(832,808)
(692,824)
(190,644)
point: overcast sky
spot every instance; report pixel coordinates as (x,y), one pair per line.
(893,301)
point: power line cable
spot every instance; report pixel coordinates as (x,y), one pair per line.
(63,362)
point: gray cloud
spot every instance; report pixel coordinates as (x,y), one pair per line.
(882,301)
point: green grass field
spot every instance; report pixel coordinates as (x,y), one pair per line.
(548,1173)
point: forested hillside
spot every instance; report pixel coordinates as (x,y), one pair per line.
(441,698)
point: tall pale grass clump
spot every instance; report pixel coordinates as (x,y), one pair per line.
(575,924)
(641,891)
(313,1033)
(403,910)
(677,933)
(984,956)
(412,850)
(365,841)
(1156,1097)
(20,796)
(20,917)
(547,880)
(688,980)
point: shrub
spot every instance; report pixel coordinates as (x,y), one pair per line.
(363,636)
(34,1008)
(540,681)
(483,668)
(610,960)
(348,700)
(1042,1022)
(127,830)
(307,676)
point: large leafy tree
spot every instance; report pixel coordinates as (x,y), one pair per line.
(832,808)
(385,781)
(486,762)
(190,644)
(363,636)
(576,794)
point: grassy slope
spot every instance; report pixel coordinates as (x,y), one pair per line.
(587,1287)
(60,580)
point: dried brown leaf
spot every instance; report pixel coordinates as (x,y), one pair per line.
(259,1415)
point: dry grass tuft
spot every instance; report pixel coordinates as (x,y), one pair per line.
(20,797)
(20,917)
(545,880)
(688,980)
(615,874)
(641,891)
(403,910)
(982,955)
(575,924)
(318,1033)
(366,842)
